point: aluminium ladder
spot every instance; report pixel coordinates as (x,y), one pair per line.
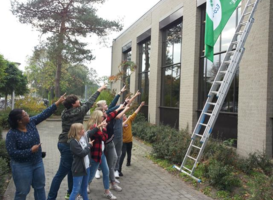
(219,90)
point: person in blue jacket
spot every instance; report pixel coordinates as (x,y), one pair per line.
(24,148)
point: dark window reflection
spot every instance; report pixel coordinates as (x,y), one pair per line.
(126,77)
(209,70)
(172,40)
(144,70)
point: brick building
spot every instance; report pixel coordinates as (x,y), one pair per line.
(167,45)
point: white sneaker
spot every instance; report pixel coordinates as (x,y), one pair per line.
(109,195)
(88,191)
(116,187)
(79,198)
(116,174)
(89,187)
(97,174)
(117,181)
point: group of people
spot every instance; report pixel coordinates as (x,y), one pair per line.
(102,144)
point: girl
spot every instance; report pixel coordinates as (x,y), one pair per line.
(97,151)
(80,149)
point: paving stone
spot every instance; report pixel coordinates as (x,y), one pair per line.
(143,180)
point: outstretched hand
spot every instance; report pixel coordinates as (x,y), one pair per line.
(102,88)
(123,89)
(60,100)
(142,103)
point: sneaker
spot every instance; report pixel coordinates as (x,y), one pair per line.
(117,181)
(116,174)
(89,187)
(79,197)
(116,187)
(88,190)
(120,173)
(97,174)
(67,196)
(109,195)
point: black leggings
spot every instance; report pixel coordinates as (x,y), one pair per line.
(126,147)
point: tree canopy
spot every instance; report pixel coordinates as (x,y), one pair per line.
(66,22)
(14,81)
(40,72)
(3,66)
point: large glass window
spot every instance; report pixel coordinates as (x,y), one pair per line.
(226,124)
(209,69)
(170,73)
(126,76)
(172,39)
(144,70)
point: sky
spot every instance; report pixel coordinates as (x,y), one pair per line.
(17,41)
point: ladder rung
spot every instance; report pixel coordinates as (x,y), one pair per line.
(240,33)
(187,169)
(227,62)
(223,72)
(235,42)
(199,135)
(191,157)
(196,147)
(214,92)
(212,103)
(230,52)
(247,13)
(209,114)
(243,23)
(203,124)
(251,5)
(219,82)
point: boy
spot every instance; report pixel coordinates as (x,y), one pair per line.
(73,113)
(128,138)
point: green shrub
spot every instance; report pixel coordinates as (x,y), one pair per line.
(4,114)
(3,151)
(31,105)
(216,150)
(256,161)
(3,171)
(221,176)
(262,189)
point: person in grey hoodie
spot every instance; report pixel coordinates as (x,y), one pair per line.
(73,113)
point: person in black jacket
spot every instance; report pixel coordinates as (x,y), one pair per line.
(80,148)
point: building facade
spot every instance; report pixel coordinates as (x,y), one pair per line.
(174,77)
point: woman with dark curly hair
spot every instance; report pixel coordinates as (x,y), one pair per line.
(24,148)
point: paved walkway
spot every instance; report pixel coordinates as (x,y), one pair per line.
(143,180)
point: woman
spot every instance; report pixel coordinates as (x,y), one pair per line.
(97,150)
(24,148)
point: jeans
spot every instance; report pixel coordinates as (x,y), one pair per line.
(26,175)
(64,169)
(80,186)
(111,156)
(105,171)
(126,147)
(118,145)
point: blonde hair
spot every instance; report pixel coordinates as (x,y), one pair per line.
(100,103)
(95,118)
(74,131)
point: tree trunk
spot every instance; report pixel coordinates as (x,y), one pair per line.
(59,60)
(6,101)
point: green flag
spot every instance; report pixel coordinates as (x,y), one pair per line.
(218,13)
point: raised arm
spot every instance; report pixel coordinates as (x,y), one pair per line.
(133,98)
(122,112)
(139,107)
(115,100)
(92,100)
(47,112)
